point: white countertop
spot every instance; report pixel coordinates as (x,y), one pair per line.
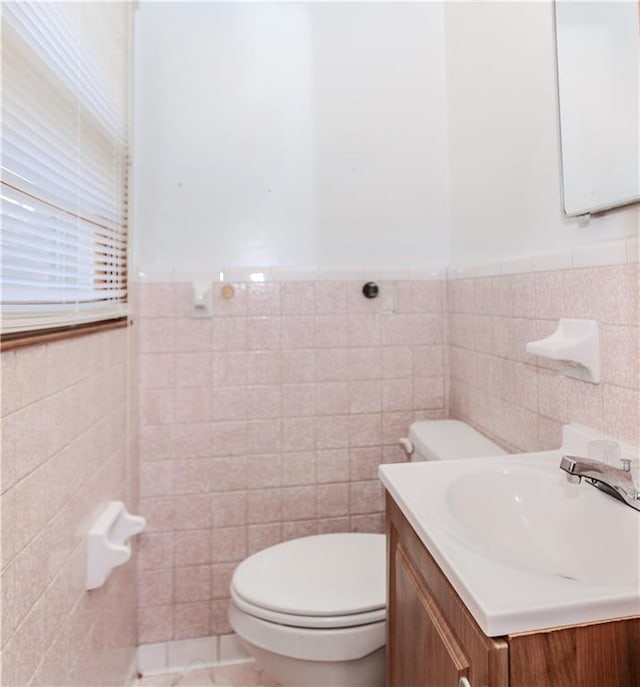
(504,585)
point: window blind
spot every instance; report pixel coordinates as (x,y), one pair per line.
(65,72)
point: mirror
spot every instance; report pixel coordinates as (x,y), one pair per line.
(598,58)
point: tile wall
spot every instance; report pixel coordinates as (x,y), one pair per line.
(267,421)
(521,400)
(262,421)
(68,447)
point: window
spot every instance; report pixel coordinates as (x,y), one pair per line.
(65,70)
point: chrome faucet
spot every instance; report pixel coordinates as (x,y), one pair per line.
(617,482)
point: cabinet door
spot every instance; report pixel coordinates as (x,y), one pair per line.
(422,649)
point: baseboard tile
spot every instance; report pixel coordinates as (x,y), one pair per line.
(187,654)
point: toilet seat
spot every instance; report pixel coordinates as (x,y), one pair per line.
(309,621)
(327,580)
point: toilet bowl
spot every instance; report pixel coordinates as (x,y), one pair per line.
(311,611)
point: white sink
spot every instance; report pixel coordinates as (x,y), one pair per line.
(529,517)
(524,548)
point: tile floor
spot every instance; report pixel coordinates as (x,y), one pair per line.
(238,675)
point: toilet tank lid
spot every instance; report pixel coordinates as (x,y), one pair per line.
(319,575)
(450,439)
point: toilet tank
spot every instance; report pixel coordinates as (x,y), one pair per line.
(447,440)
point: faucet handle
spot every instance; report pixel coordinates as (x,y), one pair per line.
(626,465)
(605,450)
(568,464)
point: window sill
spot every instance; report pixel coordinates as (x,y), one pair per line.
(22,339)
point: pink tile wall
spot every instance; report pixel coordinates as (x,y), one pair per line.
(266,422)
(520,399)
(67,438)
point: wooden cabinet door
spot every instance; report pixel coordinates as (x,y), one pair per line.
(422,649)
(432,639)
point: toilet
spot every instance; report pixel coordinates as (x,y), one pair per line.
(311,611)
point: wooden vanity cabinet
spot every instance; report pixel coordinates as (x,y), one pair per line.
(433,641)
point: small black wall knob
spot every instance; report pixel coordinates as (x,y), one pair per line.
(370,290)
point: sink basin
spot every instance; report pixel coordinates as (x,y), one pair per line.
(533,519)
(523,547)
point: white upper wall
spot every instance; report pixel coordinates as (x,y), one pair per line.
(503,137)
(315,134)
(293,134)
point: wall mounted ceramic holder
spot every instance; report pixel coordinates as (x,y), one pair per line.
(576,344)
(107,545)
(202,296)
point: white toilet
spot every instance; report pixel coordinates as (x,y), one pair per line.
(311,611)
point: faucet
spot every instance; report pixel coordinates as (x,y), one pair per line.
(617,482)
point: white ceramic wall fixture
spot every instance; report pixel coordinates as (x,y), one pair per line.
(107,545)
(576,343)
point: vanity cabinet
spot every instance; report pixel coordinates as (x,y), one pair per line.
(433,641)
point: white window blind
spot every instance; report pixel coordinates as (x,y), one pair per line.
(65,85)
